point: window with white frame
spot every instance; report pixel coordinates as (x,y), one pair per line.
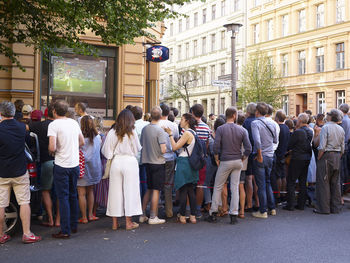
(213,37)
(340,63)
(171,54)
(320,59)
(195,47)
(187,51)
(204,45)
(171,80)
(285,25)
(179,107)
(340,11)
(212,106)
(222,105)
(321,102)
(203,77)
(195,19)
(270,29)
(236,5)
(256,31)
(223,39)
(195,79)
(302,62)
(223,7)
(285,104)
(213,12)
(195,102)
(302,20)
(171,29)
(170,104)
(204,16)
(180,25)
(222,69)
(179,52)
(285,65)
(340,94)
(187,23)
(212,73)
(320,16)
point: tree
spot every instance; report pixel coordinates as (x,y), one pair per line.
(260,81)
(47,24)
(181,88)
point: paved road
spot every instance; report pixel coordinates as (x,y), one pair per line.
(289,237)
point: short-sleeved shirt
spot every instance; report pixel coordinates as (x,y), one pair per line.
(152,137)
(67,133)
(12,157)
(40,129)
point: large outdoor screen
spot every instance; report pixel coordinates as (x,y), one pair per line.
(78,77)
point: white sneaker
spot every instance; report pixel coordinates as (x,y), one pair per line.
(143,219)
(259,215)
(156,221)
(273,212)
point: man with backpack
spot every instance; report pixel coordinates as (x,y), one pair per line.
(228,155)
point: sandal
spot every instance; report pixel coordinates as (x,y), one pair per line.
(47,224)
(4,239)
(182,219)
(83,221)
(134,226)
(241,216)
(93,218)
(193,219)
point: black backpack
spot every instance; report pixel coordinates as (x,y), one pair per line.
(197,158)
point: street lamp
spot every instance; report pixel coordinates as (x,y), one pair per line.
(233,27)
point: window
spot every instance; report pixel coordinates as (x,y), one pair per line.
(285,26)
(204,17)
(285,104)
(179,107)
(340,56)
(222,106)
(204,45)
(302,21)
(213,42)
(180,25)
(256,2)
(195,102)
(223,8)
(285,65)
(204,73)
(171,29)
(171,80)
(195,19)
(320,16)
(171,53)
(321,102)
(256,33)
(340,94)
(340,11)
(320,59)
(302,57)
(223,39)
(269,29)
(187,23)
(170,104)
(213,12)
(195,47)
(236,5)
(179,55)
(187,51)
(212,73)
(195,79)
(222,69)
(212,105)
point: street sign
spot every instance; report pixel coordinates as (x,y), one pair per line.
(221,83)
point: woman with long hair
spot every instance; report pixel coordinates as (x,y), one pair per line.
(122,146)
(93,170)
(185,177)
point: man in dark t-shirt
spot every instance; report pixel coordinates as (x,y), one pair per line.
(13,172)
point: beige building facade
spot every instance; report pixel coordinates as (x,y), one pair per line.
(309,42)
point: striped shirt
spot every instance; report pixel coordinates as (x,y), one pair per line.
(203,131)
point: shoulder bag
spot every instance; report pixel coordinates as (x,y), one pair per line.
(108,165)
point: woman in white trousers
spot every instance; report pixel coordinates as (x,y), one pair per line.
(122,146)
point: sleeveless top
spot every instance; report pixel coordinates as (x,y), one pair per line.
(183,152)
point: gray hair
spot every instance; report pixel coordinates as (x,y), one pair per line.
(344,108)
(156,113)
(303,118)
(336,115)
(7,109)
(251,108)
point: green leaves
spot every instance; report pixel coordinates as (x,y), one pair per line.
(46,24)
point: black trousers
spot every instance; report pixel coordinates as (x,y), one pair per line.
(297,171)
(185,191)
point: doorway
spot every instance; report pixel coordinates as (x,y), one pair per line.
(300,103)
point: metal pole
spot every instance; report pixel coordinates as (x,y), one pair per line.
(149,87)
(233,70)
(219,95)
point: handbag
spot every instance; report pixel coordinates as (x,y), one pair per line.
(81,164)
(108,165)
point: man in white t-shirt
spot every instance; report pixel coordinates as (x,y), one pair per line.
(65,138)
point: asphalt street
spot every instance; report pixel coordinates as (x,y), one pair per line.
(298,236)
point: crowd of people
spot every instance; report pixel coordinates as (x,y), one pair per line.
(229,165)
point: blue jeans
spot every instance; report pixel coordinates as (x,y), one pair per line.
(263,180)
(65,181)
(143,180)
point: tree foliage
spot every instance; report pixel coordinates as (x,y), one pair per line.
(180,89)
(260,81)
(46,24)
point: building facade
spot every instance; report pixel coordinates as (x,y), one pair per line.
(308,42)
(118,76)
(200,41)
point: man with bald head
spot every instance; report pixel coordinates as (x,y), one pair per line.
(153,141)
